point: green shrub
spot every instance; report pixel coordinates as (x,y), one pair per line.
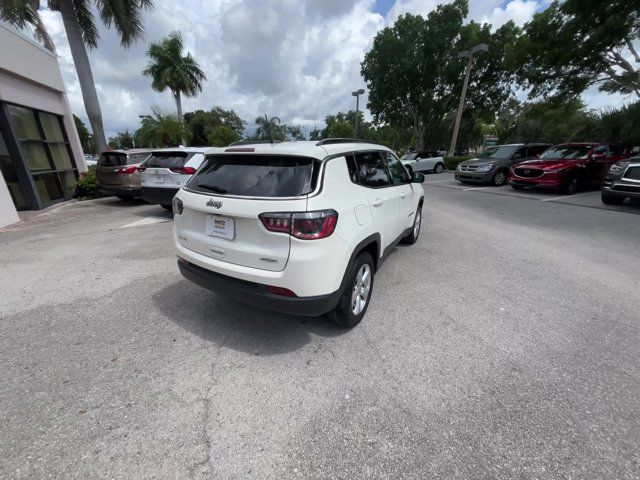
(452,162)
(87,186)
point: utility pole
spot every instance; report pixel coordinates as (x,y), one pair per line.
(468,54)
(357,94)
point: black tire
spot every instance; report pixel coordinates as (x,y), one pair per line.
(167,207)
(517,187)
(343,314)
(611,199)
(571,186)
(415,232)
(499,178)
(439,168)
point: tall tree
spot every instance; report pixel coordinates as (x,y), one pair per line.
(269,128)
(169,68)
(414,74)
(575,44)
(160,130)
(80,26)
(201,123)
(123,139)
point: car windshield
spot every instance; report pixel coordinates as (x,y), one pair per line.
(255,176)
(568,152)
(109,159)
(409,156)
(498,152)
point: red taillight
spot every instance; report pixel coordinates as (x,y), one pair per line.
(276,222)
(183,170)
(126,170)
(303,225)
(285,292)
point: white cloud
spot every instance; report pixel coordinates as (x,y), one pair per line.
(296,59)
(520,11)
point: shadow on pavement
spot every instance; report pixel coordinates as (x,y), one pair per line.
(237,326)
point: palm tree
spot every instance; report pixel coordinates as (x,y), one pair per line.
(168,68)
(80,26)
(269,128)
(160,130)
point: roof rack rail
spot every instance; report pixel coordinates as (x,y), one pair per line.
(252,142)
(331,141)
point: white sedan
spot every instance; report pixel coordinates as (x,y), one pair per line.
(423,162)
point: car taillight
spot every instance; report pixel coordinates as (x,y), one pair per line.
(183,170)
(126,170)
(302,225)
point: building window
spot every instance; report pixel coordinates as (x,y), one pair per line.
(45,150)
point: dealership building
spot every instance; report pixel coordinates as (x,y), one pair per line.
(40,152)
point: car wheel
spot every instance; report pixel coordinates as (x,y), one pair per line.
(415,231)
(355,296)
(611,199)
(439,168)
(167,207)
(571,186)
(499,178)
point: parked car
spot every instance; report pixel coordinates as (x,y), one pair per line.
(117,173)
(90,160)
(493,164)
(622,181)
(423,162)
(166,170)
(296,227)
(567,167)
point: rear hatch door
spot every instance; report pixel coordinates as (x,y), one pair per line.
(225,198)
(164,169)
(108,164)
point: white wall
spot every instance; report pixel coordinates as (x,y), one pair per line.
(8,214)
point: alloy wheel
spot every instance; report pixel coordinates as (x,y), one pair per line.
(361,288)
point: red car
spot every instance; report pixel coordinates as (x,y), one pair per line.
(567,167)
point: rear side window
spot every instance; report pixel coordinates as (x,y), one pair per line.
(112,159)
(167,160)
(255,175)
(372,171)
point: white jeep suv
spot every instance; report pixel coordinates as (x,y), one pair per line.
(296,227)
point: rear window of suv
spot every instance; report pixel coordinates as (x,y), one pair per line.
(112,159)
(167,160)
(255,176)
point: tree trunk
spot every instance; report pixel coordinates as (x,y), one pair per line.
(83,69)
(176,96)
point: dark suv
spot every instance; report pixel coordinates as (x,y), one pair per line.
(621,182)
(492,165)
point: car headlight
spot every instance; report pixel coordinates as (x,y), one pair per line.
(556,170)
(618,167)
(459,167)
(177,206)
(485,168)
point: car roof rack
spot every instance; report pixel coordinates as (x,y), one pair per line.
(331,141)
(252,142)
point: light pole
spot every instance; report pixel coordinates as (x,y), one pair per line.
(357,94)
(468,54)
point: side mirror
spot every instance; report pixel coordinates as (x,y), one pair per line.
(409,169)
(417,178)
(598,156)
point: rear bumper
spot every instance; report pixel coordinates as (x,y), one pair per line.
(257,294)
(128,192)
(159,196)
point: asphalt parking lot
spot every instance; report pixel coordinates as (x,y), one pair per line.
(504,344)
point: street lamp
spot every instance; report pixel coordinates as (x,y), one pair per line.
(468,54)
(357,94)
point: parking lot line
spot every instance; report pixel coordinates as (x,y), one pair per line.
(474,188)
(146,221)
(564,197)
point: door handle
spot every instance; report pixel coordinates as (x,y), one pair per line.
(403,195)
(377,202)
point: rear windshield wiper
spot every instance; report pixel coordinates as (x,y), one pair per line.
(213,188)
